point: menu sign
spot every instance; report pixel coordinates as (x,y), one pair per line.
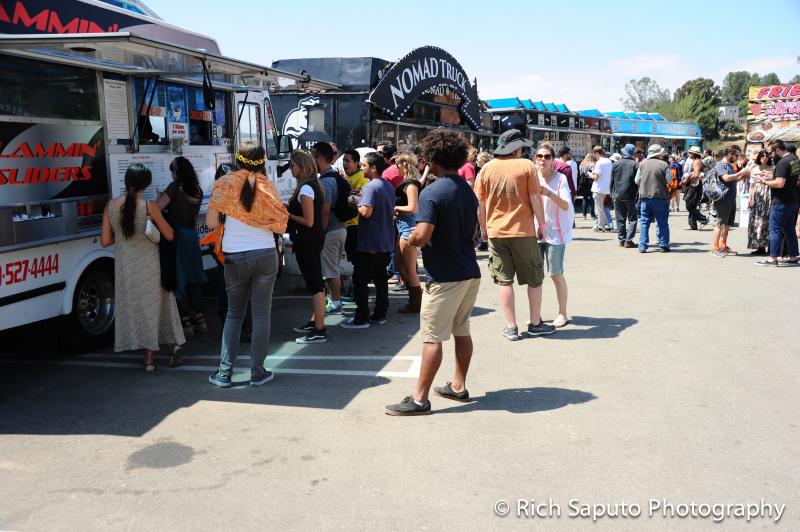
(773,113)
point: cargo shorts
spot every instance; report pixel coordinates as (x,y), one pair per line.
(516,256)
(446,308)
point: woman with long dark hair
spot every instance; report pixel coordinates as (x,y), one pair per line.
(146,314)
(182,199)
(308,239)
(759,201)
(253,214)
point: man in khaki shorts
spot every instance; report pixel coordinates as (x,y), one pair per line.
(509,194)
(446,228)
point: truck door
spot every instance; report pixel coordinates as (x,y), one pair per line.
(250,119)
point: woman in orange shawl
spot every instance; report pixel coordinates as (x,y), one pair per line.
(253,213)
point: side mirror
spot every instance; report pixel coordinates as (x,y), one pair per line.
(284,144)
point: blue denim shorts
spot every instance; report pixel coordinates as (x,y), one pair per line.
(406,224)
(554,257)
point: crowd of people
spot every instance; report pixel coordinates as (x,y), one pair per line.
(381,209)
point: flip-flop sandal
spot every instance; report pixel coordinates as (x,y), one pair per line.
(199,324)
(176,357)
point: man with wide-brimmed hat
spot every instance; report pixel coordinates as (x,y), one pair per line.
(624,191)
(508,192)
(692,183)
(654,197)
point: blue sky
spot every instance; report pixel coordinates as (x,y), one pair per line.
(570,52)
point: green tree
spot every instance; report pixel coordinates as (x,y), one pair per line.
(735,87)
(705,86)
(643,95)
(697,107)
(770,79)
(795,79)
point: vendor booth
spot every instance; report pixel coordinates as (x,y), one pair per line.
(645,129)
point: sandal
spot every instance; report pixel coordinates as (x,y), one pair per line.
(175,356)
(199,323)
(150,367)
(188,326)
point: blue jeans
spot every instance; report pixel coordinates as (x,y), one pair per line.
(781,226)
(249,275)
(657,209)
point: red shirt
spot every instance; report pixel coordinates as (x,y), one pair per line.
(566,169)
(467,171)
(392,175)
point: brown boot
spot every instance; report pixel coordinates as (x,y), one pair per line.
(414,301)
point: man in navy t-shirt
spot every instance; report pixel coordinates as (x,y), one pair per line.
(447,224)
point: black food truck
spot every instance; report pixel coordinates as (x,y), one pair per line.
(381,101)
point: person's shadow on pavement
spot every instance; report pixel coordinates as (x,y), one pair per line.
(597,328)
(522,400)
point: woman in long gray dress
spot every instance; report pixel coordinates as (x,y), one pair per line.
(146,314)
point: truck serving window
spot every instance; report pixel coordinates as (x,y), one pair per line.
(152,127)
(45,90)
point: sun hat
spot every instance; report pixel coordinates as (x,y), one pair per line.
(655,150)
(628,151)
(696,150)
(510,141)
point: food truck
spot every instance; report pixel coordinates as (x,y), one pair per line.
(773,113)
(551,122)
(644,129)
(382,101)
(89,88)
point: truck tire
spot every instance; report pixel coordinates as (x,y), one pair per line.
(90,325)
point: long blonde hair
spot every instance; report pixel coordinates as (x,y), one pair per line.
(408,162)
(306,170)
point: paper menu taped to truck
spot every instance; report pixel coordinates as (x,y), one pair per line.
(158,163)
(116,104)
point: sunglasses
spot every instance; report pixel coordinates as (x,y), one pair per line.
(545,156)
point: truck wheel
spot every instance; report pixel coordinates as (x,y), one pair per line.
(90,325)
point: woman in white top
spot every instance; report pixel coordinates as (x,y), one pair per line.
(559,216)
(253,213)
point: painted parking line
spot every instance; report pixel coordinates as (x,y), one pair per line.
(86,361)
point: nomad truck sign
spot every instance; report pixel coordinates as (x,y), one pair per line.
(424,69)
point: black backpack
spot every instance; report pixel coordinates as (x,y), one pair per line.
(341,208)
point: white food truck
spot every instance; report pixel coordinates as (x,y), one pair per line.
(88,89)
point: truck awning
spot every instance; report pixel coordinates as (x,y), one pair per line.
(124,53)
(657,136)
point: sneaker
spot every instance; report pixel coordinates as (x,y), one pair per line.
(351,323)
(622,243)
(330,308)
(728,251)
(447,392)
(316,336)
(542,329)
(218,379)
(717,253)
(642,250)
(399,287)
(766,262)
(263,378)
(348,298)
(307,328)
(664,250)
(407,407)
(377,321)
(510,333)
(630,245)
(788,263)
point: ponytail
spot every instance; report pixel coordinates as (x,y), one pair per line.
(137,177)
(128,219)
(248,194)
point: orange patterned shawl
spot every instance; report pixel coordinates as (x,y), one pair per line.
(268,211)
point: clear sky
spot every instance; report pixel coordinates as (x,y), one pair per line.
(575,52)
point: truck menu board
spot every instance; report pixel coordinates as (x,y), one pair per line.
(773,114)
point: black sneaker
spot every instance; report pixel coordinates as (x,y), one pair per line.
(377,321)
(447,392)
(510,333)
(316,336)
(307,328)
(407,407)
(263,378)
(218,379)
(665,250)
(543,329)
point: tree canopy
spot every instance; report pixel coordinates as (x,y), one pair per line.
(643,95)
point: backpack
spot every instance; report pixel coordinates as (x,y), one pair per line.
(713,186)
(341,208)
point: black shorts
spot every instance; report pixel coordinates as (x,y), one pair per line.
(726,210)
(309,260)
